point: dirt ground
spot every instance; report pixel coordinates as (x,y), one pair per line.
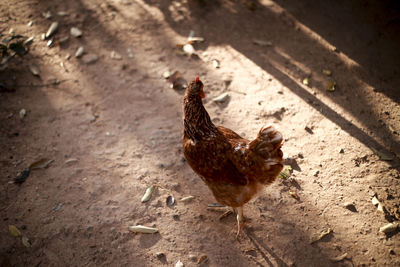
(113,128)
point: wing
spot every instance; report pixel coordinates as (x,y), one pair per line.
(237,150)
(211,159)
(229,134)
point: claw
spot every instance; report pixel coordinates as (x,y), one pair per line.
(225,214)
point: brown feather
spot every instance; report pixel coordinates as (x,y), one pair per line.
(234,168)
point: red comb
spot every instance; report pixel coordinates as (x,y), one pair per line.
(197,79)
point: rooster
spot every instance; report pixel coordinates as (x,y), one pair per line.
(234,168)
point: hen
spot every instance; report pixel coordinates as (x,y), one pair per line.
(234,168)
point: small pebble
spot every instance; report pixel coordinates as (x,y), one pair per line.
(179,264)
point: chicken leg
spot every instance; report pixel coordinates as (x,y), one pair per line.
(240,220)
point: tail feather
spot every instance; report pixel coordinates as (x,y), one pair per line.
(267,150)
(268,143)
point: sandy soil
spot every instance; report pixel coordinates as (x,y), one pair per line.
(113,128)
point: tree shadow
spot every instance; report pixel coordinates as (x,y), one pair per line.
(370,37)
(99,83)
(272,23)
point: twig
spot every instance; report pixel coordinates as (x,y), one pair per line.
(238,92)
(41,85)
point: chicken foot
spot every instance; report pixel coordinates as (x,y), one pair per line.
(240,221)
(226,213)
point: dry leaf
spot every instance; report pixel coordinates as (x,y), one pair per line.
(22,177)
(286,172)
(262,42)
(377,203)
(331,86)
(79,52)
(388,228)
(339,258)
(195,39)
(202,259)
(52,29)
(188,198)
(189,49)
(294,195)
(57,207)
(29,40)
(306,81)
(115,55)
(14,231)
(62,13)
(166,75)
(71,161)
(381,155)
(321,235)
(213,205)
(76,32)
(46,14)
(215,63)
(22,113)
(40,164)
(327,72)
(147,195)
(26,242)
(177,81)
(143,229)
(221,98)
(34,69)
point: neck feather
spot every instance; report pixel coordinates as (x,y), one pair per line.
(197,122)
